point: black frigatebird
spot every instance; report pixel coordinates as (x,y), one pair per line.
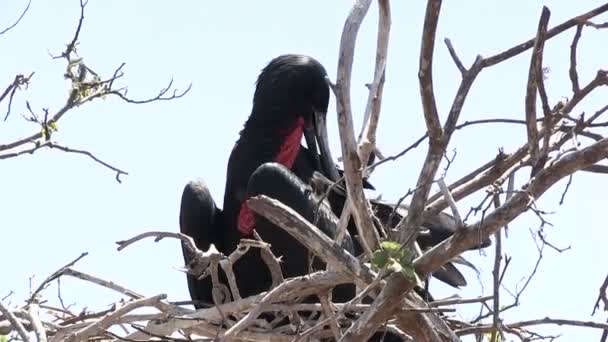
(290,102)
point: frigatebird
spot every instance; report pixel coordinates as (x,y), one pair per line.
(290,102)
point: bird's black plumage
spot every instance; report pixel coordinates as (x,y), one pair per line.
(290,101)
(435,228)
(200,219)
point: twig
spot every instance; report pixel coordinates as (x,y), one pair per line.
(310,236)
(187,240)
(71,47)
(489,328)
(12,89)
(272,262)
(534,84)
(496,321)
(448,197)
(437,144)
(572,71)
(54,276)
(10,293)
(51,144)
(408,226)
(601,297)
(160,97)
(110,319)
(18,19)
(367,137)
(520,48)
(328,312)
(101,282)
(457,127)
(343,222)
(452,51)
(445,302)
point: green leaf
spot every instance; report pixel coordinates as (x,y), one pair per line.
(3,338)
(390,246)
(396,259)
(380,258)
(409,272)
(53,126)
(74,62)
(497,338)
(405,256)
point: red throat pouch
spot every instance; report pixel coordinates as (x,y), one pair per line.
(287,156)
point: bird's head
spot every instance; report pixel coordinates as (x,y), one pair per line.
(293,90)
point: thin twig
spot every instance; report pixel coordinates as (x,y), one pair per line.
(448,197)
(18,19)
(483,329)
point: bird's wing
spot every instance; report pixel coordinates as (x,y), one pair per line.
(199,218)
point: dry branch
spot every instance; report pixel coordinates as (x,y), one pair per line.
(534,85)
(352,162)
(534,322)
(409,225)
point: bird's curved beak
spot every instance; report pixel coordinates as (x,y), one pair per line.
(317,135)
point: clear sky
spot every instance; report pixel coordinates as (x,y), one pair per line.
(53,205)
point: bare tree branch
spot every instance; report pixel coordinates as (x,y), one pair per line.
(18,19)
(547,320)
(408,226)
(15,322)
(535,81)
(352,162)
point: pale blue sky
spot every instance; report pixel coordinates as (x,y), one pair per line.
(53,205)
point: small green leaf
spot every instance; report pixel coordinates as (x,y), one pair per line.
(405,256)
(76,61)
(53,126)
(497,337)
(395,258)
(380,258)
(391,246)
(409,272)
